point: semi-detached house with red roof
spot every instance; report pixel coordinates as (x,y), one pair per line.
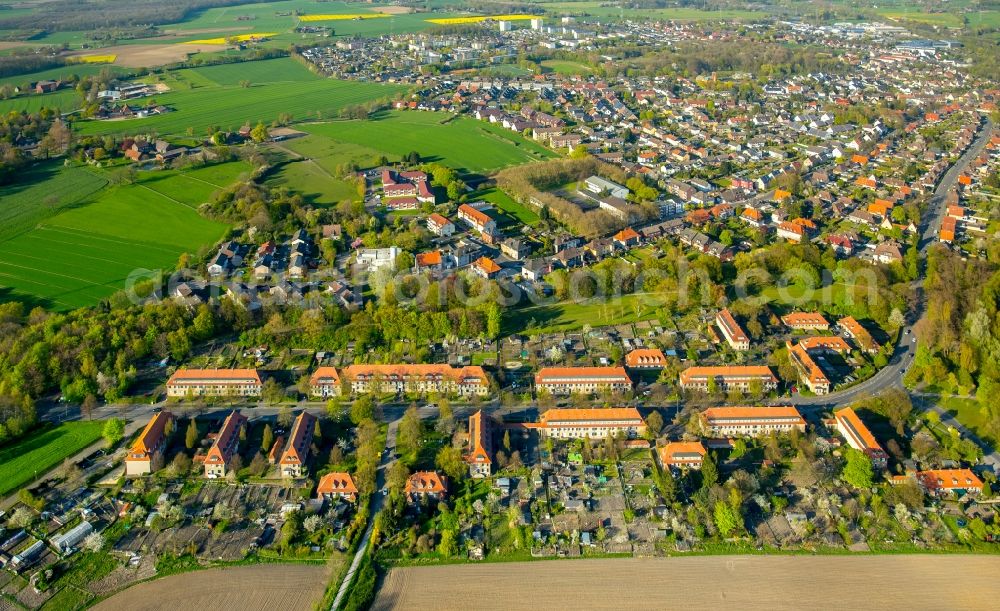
(856,331)
(751,421)
(477,219)
(645,358)
(293,459)
(682,454)
(440,225)
(426,484)
(726,378)
(337,486)
(942,482)
(596,423)
(325,382)
(859,437)
(146,454)
(225,446)
(480,455)
(214,383)
(732,331)
(584,380)
(806,321)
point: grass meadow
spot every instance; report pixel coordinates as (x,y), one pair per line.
(215,99)
(86,251)
(22,460)
(461,143)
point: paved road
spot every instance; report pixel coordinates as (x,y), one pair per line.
(377,501)
(891,376)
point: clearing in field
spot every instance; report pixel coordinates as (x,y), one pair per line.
(706,582)
(292,587)
(462,143)
(27,458)
(89,250)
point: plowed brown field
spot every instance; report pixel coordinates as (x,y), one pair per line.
(291,587)
(908,582)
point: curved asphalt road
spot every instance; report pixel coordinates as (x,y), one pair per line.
(891,376)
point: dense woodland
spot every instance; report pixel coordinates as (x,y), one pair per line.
(959,350)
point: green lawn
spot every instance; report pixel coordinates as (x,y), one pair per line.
(514,211)
(22,460)
(570,316)
(314,182)
(968,412)
(87,252)
(462,143)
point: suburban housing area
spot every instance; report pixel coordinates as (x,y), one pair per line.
(324,304)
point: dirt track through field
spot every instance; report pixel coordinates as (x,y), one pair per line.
(911,582)
(288,587)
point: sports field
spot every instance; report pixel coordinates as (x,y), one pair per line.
(567,68)
(22,460)
(462,143)
(216,98)
(87,251)
(751,583)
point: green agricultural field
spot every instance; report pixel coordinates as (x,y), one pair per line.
(461,143)
(43,190)
(948,20)
(64,100)
(88,251)
(61,73)
(23,460)
(231,106)
(280,70)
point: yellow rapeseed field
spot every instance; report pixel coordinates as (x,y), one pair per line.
(95,59)
(222,40)
(342,17)
(477,19)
